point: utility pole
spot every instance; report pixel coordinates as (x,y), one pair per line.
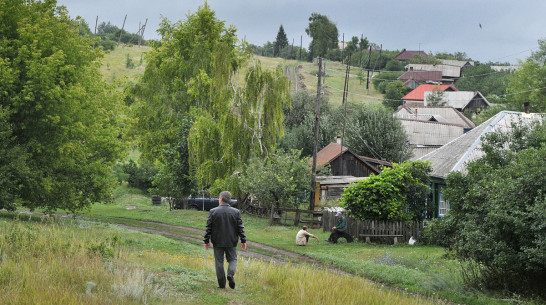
(301,44)
(360,62)
(368,68)
(344,101)
(315,146)
(141,32)
(96,23)
(342,47)
(121,32)
(292,48)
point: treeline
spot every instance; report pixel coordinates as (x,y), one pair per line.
(108,34)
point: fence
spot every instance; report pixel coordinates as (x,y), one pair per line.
(285,216)
(374,227)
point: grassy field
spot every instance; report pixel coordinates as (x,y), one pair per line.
(66,261)
(416,269)
(114,66)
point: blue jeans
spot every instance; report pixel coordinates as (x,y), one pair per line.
(231,257)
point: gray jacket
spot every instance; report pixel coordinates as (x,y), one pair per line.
(224,227)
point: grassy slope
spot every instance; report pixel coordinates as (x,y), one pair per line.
(114,68)
(114,65)
(335,80)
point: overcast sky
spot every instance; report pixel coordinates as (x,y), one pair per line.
(509,29)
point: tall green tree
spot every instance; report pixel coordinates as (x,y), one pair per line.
(528,84)
(281,41)
(372,131)
(195,69)
(61,112)
(323,33)
(394,93)
(484,79)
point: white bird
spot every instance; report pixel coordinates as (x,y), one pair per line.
(412,241)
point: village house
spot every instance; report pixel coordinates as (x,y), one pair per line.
(417,95)
(412,79)
(457,154)
(409,55)
(441,114)
(346,167)
(472,101)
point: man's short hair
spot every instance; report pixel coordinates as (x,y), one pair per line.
(305,227)
(225,196)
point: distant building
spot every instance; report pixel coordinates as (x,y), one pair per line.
(417,95)
(441,114)
(471,101)
(448,72)
(408,55)
(412,79)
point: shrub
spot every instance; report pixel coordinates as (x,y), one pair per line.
(498,210)
(398,193)
(140,176)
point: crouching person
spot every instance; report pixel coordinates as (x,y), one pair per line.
(302,238)
(340,230)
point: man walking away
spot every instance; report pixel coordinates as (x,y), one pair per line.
(340,230)
(224,227)
(302,238)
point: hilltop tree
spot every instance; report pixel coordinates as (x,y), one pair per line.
(194,70)
(63,117)
(281,41)
(324,35)
(372,131)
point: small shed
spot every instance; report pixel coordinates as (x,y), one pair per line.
(332,187)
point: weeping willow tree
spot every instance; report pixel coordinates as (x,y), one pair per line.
(194,72)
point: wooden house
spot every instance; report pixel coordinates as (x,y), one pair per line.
(457,154)
(346,167)
(449,73)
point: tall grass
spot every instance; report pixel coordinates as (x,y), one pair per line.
(76,262)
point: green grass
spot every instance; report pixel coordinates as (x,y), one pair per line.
(66,261)
(114,66)
(418,269)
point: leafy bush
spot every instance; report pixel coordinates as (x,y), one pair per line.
(140,176)
(398,193)
(498,210)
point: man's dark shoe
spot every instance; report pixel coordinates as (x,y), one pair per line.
(231,281)
(220,287)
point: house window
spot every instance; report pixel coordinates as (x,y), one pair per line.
(443,206)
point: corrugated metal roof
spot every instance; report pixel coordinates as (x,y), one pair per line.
(407,55)
(422,76)
(450,114)
(458,99)
(418,94)
(447,70)
(428,133)
(455,155)
(458,63)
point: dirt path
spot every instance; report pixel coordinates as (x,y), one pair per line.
(276,255)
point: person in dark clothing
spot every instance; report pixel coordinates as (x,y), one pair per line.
(224,228)
(340,230)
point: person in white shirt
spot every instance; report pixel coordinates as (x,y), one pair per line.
(302,238)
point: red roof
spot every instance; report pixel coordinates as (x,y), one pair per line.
(422,76)
(418,94)
(329,153)
(334,150)
(407,55)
